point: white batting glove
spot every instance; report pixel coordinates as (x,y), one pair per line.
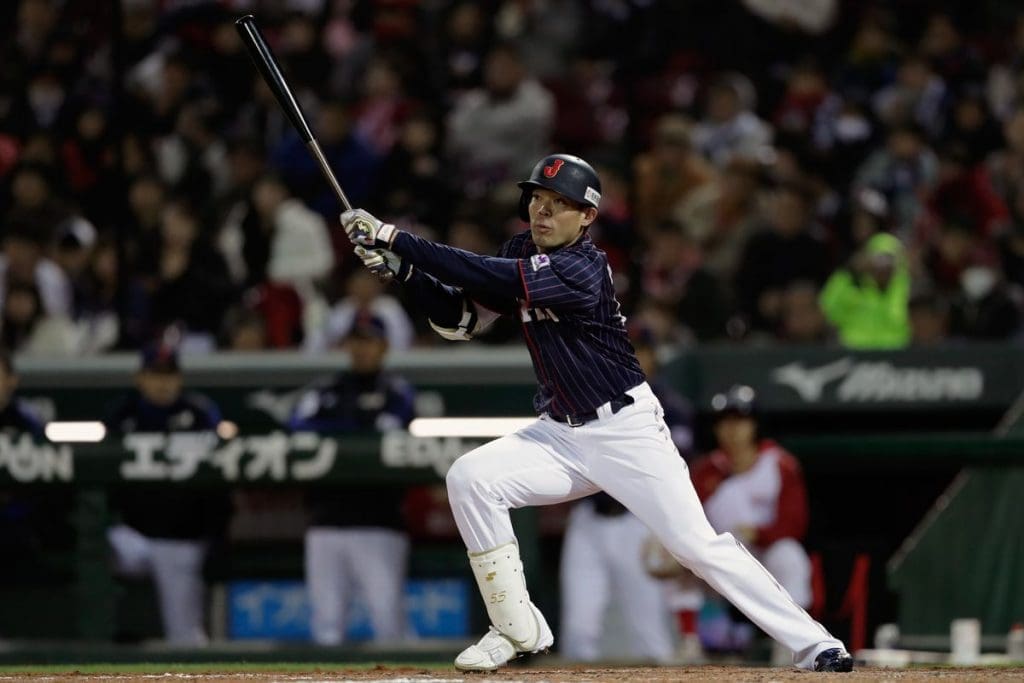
(363,229)
(386,265)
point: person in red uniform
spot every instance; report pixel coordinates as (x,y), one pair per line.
(754,488)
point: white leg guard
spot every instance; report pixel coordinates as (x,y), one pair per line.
(499,575)
(518,626)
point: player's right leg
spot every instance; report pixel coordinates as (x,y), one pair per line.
(631,457)
(518,470)
(788,562)
(676,516)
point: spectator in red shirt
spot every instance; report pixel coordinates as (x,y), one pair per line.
(754,488)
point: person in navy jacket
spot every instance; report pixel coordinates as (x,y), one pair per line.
(356,542)
(166,529)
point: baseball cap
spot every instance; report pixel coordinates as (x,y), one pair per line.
(368,326)
(160,357)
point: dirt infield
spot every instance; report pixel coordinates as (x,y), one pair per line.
(538,674)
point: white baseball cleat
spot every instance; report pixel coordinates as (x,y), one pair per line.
(492,651)
(495,649)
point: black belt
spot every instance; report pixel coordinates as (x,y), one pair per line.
(580,419)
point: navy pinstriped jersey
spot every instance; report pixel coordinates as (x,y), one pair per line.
(572,325)
(565,300)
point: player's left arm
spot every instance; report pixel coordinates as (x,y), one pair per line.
(451,312)
(543,280)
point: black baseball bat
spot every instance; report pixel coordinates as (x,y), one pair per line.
(268,67)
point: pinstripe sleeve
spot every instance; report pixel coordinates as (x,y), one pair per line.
(562,280)
(488,275)
(441,303)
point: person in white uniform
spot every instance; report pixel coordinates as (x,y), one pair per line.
(600,426)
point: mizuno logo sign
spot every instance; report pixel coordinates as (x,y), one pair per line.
(881,381)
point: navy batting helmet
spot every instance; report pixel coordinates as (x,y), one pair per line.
(738,400)
(565,174)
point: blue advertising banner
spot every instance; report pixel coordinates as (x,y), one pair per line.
(279,610)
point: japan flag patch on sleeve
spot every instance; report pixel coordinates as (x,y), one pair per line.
(540,261)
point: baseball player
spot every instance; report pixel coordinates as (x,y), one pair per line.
(356,542)
(165,531)
(600,427)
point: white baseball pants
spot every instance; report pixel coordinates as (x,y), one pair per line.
(368,560)
(176,567)
(601,562)
(785,559)
(631,456)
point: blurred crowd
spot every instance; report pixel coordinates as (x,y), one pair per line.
(774,171)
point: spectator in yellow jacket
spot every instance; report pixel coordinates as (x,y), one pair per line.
(868,301)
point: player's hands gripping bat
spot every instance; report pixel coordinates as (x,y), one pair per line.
(363,229)
(372,238)
(384,264)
